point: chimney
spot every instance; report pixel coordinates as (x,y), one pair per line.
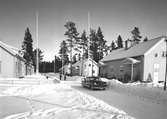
(128,44)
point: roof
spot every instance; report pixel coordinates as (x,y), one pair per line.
(12,50)
(78,63)
(137,50)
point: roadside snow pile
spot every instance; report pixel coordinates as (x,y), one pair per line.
(151,84)
(74,78)
(105,79)
(1,79)
(68,104)
(33,90)
(138,83)
(29,80)
(35,76)
(116,81)
(149,91)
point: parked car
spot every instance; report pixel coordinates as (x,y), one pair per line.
(93,83)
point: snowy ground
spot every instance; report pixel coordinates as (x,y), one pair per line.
(142,101)
(63,102)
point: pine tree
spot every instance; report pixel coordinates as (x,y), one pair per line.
(119,42)
(27,47)
(64,53)
(101,43)
(93,45)
(136,35)
(84,44)
(72,36)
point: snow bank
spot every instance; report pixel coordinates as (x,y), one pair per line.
(25,81)
(35,76)
(34,90)
(142,90)
(138,83)
(68,104)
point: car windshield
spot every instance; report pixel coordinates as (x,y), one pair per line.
(94,78)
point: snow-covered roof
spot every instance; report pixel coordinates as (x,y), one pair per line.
(78,63)
(12,50)
(137,50)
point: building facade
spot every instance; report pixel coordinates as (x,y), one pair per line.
(87,67)
(145,61)
(12,64)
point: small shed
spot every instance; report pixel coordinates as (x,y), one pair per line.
(86,67)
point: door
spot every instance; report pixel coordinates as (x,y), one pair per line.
(156,73)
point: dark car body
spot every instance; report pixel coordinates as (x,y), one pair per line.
(93,83)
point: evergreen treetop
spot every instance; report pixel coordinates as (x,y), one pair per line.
(136,35)
(119,42)
(27,46)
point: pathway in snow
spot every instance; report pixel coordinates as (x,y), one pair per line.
(61,101)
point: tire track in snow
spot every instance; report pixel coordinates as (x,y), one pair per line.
(62,106)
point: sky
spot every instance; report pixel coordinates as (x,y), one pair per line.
(115,17)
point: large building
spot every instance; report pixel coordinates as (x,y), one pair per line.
(12,64)
(145,61)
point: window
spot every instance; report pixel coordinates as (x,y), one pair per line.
(90,65)
(121,70)
(164,54)
(156,54)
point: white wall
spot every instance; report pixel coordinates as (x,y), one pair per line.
(88,68)
(12,66)
(151,60)
(7,64)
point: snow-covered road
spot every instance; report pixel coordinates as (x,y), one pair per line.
(140,107)
(58,101)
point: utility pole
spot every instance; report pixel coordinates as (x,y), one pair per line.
(89,43)
(82,59)
(37,52)
(62,63)
(54,66)
(88,33)
(166,66)
(132,71)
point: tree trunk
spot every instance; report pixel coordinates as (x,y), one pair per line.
(71,59)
